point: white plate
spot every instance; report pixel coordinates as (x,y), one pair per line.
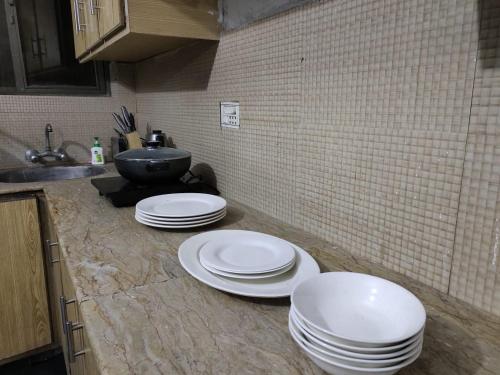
(333,367)
(279,286)
(358,309)
(252,276)
(176,223)
(355,352)
(247,252)
(181,205)
(181,226)
(350,361)
(178,219)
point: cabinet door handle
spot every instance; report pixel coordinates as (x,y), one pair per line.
(93,7)
(64,312)
(70,340)
(50,245)
(34,47)
(79,24)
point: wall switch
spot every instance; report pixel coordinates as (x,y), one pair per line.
(230,114)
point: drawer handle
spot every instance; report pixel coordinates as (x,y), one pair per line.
(70,340)
(64,312)
(50,245)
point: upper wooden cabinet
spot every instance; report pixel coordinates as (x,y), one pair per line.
(133,30)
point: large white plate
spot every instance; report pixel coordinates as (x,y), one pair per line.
(251,276)
(182,225)
(246,252)
(181,205)
(179,220)
(279,286)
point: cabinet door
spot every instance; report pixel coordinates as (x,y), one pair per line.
(24,322)
(91,27)
(78,15)
(53,268)
(110,16)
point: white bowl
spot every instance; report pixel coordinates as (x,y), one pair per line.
(358,310)
(346,360)
(315,342)
(334,367)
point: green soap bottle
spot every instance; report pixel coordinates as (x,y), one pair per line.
(97,152)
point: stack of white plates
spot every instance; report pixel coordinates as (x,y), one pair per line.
(246,263)
(178,211)
(351,323)
(248,255)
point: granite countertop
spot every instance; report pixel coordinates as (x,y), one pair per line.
(145,315)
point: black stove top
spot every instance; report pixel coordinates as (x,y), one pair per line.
(123,193)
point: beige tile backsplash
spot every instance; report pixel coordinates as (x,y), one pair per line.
(356,125)
(475,275)
(372,124)
(76,120)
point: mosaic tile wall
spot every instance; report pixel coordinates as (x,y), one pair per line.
(475,276)
(355,121)
(373,124)
(76,120)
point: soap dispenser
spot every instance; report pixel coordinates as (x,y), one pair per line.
(97,153)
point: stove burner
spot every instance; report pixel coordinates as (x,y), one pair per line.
(124,193)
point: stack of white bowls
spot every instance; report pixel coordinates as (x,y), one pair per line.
(350,323)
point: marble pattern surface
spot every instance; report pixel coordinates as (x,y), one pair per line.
(145,315)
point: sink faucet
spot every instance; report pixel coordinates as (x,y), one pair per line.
(48,130)
(35,156)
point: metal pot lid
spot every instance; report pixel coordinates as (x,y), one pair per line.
(153,153)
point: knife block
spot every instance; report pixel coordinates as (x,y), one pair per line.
(133,140)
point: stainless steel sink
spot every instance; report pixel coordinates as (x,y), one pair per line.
(50,173)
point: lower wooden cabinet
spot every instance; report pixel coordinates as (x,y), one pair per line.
(24,311)
(38,306)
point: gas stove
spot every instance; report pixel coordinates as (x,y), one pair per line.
(124,193)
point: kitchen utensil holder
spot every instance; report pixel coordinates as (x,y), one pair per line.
(133,140)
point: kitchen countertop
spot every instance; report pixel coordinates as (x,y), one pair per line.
(145,315)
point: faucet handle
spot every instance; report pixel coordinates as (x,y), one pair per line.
(60,154)
(32,156)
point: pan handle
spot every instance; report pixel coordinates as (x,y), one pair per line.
(157,165)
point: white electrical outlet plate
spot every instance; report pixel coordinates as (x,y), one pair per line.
(230,114)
